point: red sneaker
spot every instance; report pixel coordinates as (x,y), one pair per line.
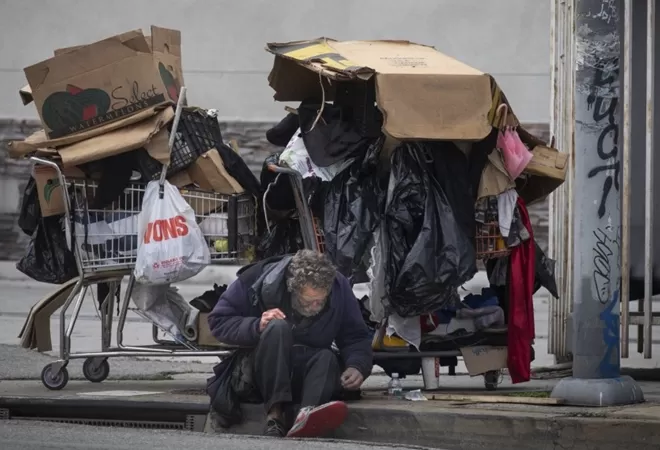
(317,421)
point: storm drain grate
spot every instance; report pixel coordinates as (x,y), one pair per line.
(4,414)
(144,424)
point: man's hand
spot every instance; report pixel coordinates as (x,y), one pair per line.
(351,379)
(269,315)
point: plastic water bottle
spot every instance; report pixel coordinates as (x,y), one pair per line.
(394,388)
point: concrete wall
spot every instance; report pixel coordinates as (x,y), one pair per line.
(226,67)
(223,40)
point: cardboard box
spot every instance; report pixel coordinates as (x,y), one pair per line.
(87,87)
(209,173)
(204,336)
(548,162)
(423,93)
(481,359)
(49,189)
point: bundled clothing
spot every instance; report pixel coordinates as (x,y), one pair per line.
(292,360)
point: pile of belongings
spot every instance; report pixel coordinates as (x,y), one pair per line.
(107,111)
(415,168)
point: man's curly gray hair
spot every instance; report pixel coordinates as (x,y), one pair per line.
(310,269)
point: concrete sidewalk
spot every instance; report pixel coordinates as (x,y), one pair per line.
(467,424)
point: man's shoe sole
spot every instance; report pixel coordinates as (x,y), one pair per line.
(321,420)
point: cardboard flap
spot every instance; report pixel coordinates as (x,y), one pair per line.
(209,173)
(38,140)
(86,58)
(165,40)
(119,141)
(422,93)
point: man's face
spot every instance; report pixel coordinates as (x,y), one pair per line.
(309,301)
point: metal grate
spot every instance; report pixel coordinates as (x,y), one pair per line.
(153,425)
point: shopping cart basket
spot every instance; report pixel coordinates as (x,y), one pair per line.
(104,242)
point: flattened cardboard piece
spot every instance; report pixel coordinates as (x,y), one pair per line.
(494,178)
(39,141)
(209,173)
(26,94)
(422,93)
(61,51)
(122,140)
(482,359)
(165,45)
(181,179)
(204,336)
(35,333)
(95,84)
(49,188)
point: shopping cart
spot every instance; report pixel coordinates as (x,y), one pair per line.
(313,238)
(104,243)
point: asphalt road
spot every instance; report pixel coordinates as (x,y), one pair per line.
(16,435)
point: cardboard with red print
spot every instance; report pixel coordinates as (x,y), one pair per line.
(87,87)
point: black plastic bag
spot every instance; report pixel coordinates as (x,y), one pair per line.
(545,272)
(429,256)
(30,214)
(354,207)
(48,259)
(283,238)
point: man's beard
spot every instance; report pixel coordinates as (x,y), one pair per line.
(304,310)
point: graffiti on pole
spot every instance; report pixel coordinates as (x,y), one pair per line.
(605,114)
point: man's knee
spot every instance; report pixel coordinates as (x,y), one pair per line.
(327,358)
(277,328)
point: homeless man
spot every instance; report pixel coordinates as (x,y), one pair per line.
(291,309)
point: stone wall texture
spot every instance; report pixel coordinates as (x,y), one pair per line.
(250,137)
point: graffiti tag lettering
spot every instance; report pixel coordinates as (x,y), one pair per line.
(605,108)
(603,255)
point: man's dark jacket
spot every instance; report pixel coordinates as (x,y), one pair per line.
(262,286)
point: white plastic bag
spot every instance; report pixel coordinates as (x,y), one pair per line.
(171,246)
(296,157)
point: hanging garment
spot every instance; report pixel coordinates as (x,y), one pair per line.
(506,205)
(494,178)
(521,306)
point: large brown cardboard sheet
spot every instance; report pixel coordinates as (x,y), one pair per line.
(123,140)
(95,84)
(38,140)
(422,93)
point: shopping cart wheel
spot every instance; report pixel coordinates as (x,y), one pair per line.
(492,380)
(95,371)
(54,380)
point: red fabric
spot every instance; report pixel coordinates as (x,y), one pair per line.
(521,305)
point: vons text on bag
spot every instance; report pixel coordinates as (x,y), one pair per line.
(165,229)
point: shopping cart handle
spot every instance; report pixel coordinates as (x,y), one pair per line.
(279,169)
(46,162)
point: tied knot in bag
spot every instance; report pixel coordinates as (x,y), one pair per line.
(515,154)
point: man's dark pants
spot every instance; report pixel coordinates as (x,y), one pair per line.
(287,374)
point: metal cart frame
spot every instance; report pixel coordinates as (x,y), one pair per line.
(112,271)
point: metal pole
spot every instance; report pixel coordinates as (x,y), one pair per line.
(625,201)
(596,213)
(648,210)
